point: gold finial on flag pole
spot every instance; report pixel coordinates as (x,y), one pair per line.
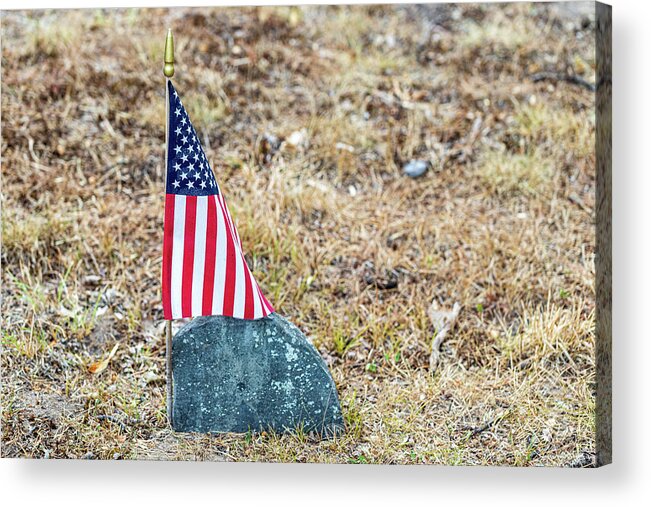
(168,69)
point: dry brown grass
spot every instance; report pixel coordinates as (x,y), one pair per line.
(502,223)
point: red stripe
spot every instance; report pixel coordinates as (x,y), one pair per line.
(188,255)
(209,270)
(249,309)
(256,290)
(168,235)
(229,285)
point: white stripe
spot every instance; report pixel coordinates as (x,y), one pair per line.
(240,286)
(257,304)
(199,254)
(178,241)
(220,262)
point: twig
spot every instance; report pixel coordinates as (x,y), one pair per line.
(112,419)
(576,200)
(557,76)
(443,322)
(477,431)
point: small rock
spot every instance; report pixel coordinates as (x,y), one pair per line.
(344,146)
(150,376)
(92,279)
(415,168)
(64,312)
(584,460)
(109,296)
(298,139)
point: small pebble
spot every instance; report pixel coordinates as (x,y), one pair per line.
(415,168)
(298,138)
(150,376)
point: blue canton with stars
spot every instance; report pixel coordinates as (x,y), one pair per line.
(188,171)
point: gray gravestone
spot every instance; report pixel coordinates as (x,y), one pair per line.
(234,375)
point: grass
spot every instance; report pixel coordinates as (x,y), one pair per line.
(342,243)
(508,173)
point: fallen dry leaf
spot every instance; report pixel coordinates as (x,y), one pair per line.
(99,366)
(443,321)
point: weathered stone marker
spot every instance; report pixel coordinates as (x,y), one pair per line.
(234,375)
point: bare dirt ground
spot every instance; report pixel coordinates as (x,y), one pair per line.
(308,116)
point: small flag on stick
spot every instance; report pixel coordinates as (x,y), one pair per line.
(204,269)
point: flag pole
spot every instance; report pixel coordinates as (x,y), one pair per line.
(168,71)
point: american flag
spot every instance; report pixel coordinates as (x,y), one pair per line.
(204,269)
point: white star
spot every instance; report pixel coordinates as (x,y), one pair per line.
(177,166)
(177,149)
(184,139)
(188,129)
(196,157)
(183,121)
(190,184)
(178,130)
(191,148)
(203,184)
(176,184)
(190,167)
(178,112)
(184,157)
(184,176)
(196,176)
